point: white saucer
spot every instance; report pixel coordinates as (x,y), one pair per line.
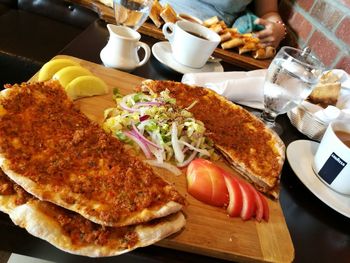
(162,52)
(300,155)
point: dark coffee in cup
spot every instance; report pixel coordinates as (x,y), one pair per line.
(344,137)
(197,35)
(190,18)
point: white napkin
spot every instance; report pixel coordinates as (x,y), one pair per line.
(242,87)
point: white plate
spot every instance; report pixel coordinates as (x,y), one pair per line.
(162,52)
(300,155)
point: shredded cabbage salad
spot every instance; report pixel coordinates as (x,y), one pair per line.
(168,136)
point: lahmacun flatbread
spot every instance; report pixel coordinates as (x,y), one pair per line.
(248,145)
(57,154)
(75,234)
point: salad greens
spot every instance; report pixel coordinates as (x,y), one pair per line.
(159,128)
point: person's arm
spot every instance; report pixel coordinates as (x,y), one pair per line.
(275,29)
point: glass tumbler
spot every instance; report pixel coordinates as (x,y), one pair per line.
(131,13)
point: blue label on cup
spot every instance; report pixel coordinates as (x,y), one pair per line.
(332,167)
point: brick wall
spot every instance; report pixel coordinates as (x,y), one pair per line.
(323,25)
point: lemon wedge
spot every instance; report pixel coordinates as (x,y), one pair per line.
(67,74)
(51,67)
(86,86)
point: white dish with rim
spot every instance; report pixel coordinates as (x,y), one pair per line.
(300,155)
(162,52)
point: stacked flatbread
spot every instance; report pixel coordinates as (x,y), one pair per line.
(68,182)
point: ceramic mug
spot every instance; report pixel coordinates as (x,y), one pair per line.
(332,159)
(191,43)
(121,51)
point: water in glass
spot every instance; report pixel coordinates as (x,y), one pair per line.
(131,13)
(284,89)
(289,80)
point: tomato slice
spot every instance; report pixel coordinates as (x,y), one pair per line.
(213,185)
(266,213)
(259,208)
(235,204)
(206,183)
(248,207)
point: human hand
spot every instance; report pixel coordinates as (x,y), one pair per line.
(273,33)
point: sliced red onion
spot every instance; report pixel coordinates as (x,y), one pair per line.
(156,138)
(168,166)
(144,117)
(123,105)
(141,126)
(140,143)
(202,151)
(143,138)
(158,153)
(185,149)
(189,159)
(148,103)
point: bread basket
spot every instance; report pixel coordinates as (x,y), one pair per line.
(307,123)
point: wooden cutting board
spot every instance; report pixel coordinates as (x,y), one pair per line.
(209,231)
(149,29)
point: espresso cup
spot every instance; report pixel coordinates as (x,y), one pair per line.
(332,159)
(191,43)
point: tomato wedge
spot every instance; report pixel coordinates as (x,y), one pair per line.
(266,213)
(248,207)
(206,183)
(213,185)
(259,208)
(235,204)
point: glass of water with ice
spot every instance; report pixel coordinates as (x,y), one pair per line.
(290,78)
(131,13)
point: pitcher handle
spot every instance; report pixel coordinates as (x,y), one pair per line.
(165,29)
(147,53)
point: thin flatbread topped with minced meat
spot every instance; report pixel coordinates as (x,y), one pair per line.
(57,154)
(248,145)
(75,234)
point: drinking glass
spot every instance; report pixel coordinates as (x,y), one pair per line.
(131,13)
(290,78)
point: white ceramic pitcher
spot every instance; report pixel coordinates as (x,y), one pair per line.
(121,49)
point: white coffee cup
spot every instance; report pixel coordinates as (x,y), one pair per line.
(188,49)
(332,159)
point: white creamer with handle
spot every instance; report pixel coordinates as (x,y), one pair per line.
(121,51)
